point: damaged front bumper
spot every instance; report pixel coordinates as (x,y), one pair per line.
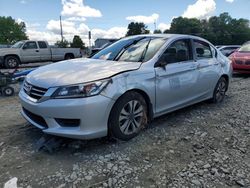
(81,118)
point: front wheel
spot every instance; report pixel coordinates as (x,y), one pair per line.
(8,91)
(220,90)
(11,62)
(128,117)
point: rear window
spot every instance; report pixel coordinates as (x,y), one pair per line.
(42,44)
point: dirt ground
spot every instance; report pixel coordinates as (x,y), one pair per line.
(205,145)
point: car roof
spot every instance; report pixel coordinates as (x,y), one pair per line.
(168,36)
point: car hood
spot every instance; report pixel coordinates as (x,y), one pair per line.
(8,50)
(77,71)
(241,55)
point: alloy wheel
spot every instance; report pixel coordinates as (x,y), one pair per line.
(131,117)
(221,90)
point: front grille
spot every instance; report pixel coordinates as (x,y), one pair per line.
(34,91)
(239,62)
(36,118)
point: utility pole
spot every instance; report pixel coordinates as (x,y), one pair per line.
(90,41)
(61,28)
(155,23)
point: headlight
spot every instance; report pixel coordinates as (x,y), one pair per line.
(81,90)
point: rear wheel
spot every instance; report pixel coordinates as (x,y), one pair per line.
(11,62)
(8,91)
(69,56)
(220,90)
(128,117)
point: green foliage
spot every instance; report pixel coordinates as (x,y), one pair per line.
(62,44)
(77,42)
(157,31)
(136,28)
(11,31)
(222,29)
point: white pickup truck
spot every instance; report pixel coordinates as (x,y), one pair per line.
(29,51)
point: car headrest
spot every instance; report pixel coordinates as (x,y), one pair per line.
(200,51)
(182,55)
(171,51)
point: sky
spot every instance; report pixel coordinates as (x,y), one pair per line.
(110,18)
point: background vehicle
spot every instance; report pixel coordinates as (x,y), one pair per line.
(124,86)
(34,51)
(8,78)
(241,59)
(228,50)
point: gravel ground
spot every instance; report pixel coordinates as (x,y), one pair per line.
(205,145)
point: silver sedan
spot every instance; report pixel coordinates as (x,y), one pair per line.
(119,90)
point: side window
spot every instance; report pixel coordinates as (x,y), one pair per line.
(178,51)
(202,50)
(30,45)
(42,44)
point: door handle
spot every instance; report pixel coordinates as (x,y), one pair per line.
(37,50)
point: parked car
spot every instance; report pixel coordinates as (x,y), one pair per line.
(34,51)
(228,50)
(123,87)
(241,59)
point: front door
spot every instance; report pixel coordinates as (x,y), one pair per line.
(176,82)
(30,52)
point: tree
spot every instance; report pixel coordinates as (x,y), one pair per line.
(220,30)
(157,31)
(77,42)
(11,31)
(136,28)
(62,44)
(182,25)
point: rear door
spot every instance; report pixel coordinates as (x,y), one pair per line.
(45,53)
(30,52)
(208,67)
(176,82)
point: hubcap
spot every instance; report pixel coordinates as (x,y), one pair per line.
(12,63)
(131,117)
(8,91)
(220,92)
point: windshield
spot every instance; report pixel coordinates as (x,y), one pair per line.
(245,48)
(139,49)
(110,52)
(18,44)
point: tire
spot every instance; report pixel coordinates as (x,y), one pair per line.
(220,90)
(128,116)
(8,91)
(11,62)
(69,56)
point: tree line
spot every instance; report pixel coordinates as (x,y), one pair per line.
(222,29)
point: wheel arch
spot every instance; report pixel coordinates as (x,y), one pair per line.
(12,55)
(146,98)
(69,54)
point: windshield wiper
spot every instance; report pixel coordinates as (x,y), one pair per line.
(144,52)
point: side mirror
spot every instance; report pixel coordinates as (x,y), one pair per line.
(24,47)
